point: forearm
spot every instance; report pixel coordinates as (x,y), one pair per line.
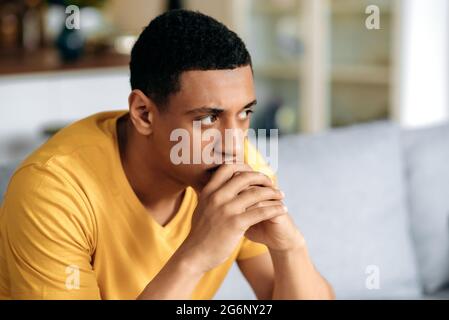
(176,281)
(296,278)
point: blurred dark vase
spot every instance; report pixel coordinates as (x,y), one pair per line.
(70,44)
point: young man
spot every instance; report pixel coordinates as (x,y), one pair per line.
(101,211)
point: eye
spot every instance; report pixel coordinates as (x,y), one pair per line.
(245,114)
(209,120)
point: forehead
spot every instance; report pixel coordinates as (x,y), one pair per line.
(224,88)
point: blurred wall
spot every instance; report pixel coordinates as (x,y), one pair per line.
(423,63)
(131,16)
(219,9)
(31,102)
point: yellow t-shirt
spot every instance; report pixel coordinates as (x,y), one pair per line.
(71,227)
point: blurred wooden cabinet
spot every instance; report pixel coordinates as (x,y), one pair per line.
(317,65)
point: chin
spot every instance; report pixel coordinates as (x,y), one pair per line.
(202,180)
(198,179)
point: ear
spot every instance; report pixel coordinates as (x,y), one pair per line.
(141,112)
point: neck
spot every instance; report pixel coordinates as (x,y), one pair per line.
(155,189)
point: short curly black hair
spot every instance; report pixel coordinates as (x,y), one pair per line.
(179,41)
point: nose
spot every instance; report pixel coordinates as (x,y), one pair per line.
(232,145)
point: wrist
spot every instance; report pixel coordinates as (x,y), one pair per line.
(296,257)
(295,246)
(299,250)
(189,262)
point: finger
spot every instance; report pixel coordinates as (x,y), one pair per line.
(241,182)
(255,216)
(251,197)
(224,174)
(266,204)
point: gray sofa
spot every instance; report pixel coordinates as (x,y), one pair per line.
(373,203)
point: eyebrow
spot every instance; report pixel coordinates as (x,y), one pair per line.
(217,110)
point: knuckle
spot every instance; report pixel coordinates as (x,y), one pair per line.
(227,209)
(214,200)
(281,209)
(259,205)
(264,211)
(275,192)
(244,176)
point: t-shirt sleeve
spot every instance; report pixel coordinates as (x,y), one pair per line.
(250,249)
(48,237)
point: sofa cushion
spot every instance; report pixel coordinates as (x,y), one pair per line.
(345,190)
(427,166)
(442,294)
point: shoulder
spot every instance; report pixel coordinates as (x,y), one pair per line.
(94,132)
(42,201)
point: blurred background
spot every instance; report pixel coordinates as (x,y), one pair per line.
(317,64)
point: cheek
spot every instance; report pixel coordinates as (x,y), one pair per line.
(162,132)
(161,146)
(162,142)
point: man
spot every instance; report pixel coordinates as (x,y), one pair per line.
(102,212)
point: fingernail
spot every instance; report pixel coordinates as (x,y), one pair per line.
(282,194)
(285,208)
